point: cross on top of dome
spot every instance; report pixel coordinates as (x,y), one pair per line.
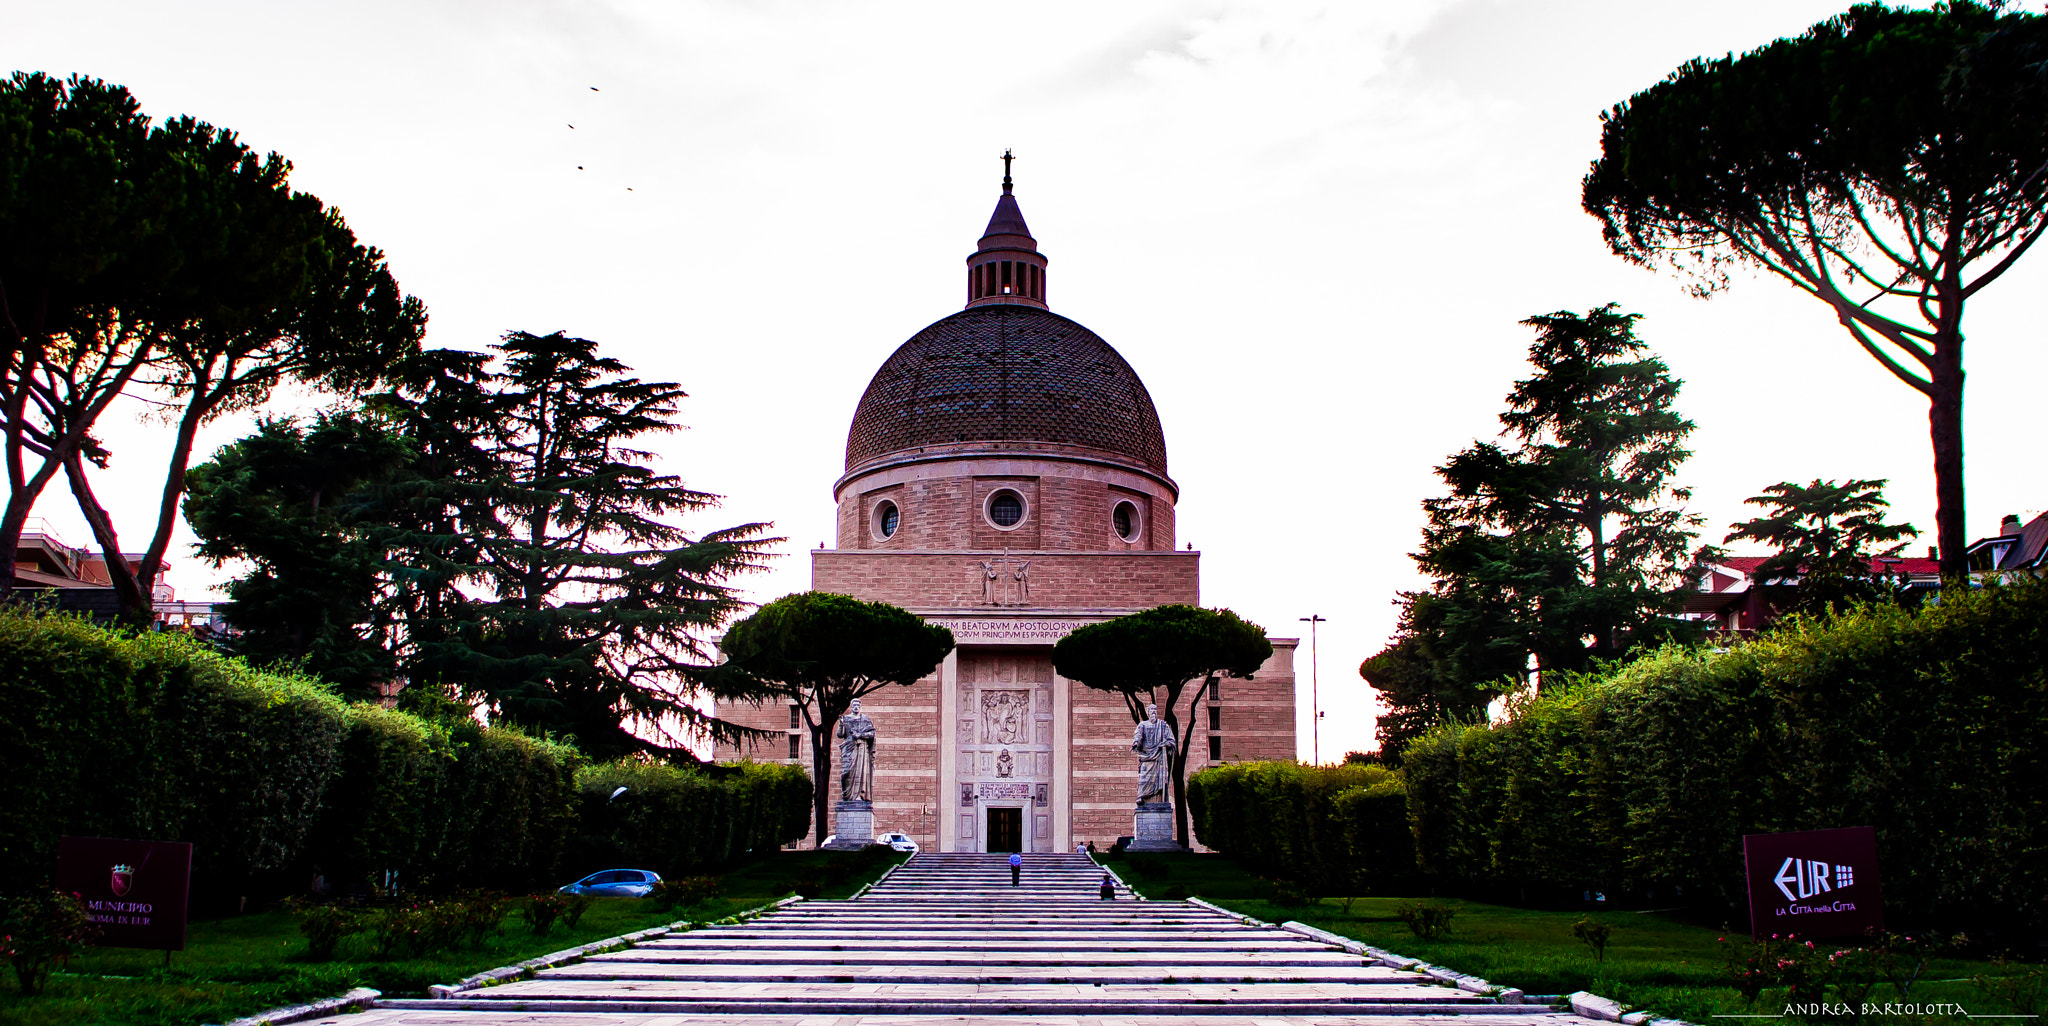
(1006,267)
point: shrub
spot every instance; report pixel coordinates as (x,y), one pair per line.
(1429,920)
(1335,829)
(2014,986)
(108,734)
(1593,934)
(262,772)
(1644,777)
(674,820)
(687,891)
(541,911)
(572,911)
(325,926)
(482,913)
(38,927)
(385,809)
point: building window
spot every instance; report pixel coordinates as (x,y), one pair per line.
(795,718)
(1215,718)
(1125,518)
(792,746)
(1215,748)
(1005,508)
(887,517)
(1215,689)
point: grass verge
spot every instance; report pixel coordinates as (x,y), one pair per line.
(248,964)
(1652,961)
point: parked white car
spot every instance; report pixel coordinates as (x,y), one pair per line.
(900,842)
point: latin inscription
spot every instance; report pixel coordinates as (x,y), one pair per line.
(978,630)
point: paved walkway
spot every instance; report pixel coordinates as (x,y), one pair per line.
(947,937)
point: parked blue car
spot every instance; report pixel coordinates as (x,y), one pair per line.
(616,883)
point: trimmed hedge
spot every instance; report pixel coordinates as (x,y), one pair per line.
(1334,829)
(1642,779)
(445,805)
(675,821)
(269,775)
(1925,725)
(103,734)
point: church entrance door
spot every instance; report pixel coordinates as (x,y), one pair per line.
(1005,829)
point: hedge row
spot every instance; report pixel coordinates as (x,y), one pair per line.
(270,776)
(675,820)
(1641,780)
(1926,725)
(1334,829)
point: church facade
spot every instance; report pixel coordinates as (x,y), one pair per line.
(1006,476)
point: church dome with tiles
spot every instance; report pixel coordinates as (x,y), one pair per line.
(1006,427)
(1006,373)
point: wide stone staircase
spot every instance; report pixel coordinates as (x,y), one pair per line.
(948,935)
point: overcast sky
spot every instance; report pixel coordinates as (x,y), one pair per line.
(1310,228)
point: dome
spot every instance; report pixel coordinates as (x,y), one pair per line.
(1007,373)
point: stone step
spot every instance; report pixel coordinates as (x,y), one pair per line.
(1033,915)
(435,1013)
(949,956)
(1022,997)
(977,974)
(948,936)
(1136,1011)
(1083,947)
(866,930)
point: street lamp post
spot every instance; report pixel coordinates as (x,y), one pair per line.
(1315,700)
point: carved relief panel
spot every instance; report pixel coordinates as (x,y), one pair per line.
(1005,717)
(1005,725)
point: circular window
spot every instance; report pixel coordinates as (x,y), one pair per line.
(887,516)
(1005,509)
(1126,519)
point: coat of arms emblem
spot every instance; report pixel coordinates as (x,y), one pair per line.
(121,878)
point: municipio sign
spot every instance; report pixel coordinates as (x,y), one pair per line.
(1815,883)
(134,891)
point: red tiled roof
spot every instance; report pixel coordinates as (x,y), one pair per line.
(1909,564)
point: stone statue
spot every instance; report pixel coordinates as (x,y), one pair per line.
(1154,743)
(856,735)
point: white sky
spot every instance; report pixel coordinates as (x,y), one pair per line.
(1311,228)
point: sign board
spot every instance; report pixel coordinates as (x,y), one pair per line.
(1814,883)
(134,891)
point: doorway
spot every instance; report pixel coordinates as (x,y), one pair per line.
(1005,829)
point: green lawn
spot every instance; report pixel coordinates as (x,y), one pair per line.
(1653,961)
(247,964)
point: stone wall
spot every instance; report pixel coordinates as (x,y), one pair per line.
(1068,506)
(1055,580)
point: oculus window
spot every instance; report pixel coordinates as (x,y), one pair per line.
(887,519)
(1125,519)
(1005,509)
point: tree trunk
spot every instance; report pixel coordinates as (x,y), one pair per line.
(1177,766)
(1945,427)
(167,508)
(135,605)
(821,778)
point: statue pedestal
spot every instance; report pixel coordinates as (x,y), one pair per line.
(1152,828)
(853,826)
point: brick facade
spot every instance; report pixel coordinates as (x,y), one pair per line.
(1006,476)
